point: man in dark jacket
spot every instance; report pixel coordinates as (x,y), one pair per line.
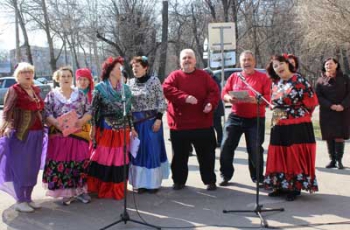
(218,112)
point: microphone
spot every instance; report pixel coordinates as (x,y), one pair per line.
(122,86)
(240,75)
(122,91)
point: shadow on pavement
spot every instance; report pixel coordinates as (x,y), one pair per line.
(182,209)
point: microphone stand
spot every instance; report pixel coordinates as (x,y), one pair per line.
(258,207)
(124,217)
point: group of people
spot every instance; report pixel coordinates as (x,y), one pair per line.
(90,159)
(112,114)
(192,96)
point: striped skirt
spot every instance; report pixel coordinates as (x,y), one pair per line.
(107,163)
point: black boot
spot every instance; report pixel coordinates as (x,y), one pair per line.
(339,149)
(331,154)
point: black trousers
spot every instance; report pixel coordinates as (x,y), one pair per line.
(218,129)
(235,127)
(204,143)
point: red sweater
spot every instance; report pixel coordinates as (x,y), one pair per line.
(177,87)
(260,82)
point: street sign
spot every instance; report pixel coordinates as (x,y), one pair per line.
(222,35)
(229,59)
(205,55)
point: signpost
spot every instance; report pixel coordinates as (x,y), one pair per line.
(222,37)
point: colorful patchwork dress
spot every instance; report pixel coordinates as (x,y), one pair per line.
(292,150)
(67,160)
(107,155)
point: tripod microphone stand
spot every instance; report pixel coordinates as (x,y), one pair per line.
(124,217)
(258,207)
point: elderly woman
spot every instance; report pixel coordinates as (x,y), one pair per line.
(333,91)
(67,158)
(21,141)
(290,165)
(150,166)
(107,132)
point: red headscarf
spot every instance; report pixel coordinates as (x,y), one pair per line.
(87,74)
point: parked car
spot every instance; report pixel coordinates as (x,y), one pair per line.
(229,71)
(42,80)
(6,82)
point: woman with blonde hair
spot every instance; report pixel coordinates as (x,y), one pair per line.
(21,129)
(67,158)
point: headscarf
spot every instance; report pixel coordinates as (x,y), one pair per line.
(84,72)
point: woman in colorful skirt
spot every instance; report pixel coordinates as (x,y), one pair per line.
(150,166)
(106,173)
(290,165)
(67,160)
(21,142)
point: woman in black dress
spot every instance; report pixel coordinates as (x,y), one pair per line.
(333,91)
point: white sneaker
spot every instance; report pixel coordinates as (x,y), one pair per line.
(84,197)
(34,205)
(23,207)
(67,200)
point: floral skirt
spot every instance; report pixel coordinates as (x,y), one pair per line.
(65,171)
(291,156)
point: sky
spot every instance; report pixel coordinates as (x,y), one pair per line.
(8,36)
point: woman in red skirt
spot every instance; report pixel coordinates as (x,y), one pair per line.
(290,165)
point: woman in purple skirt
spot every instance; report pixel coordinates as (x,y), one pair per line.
(21,142)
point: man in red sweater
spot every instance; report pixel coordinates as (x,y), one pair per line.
(192,97)
(243,118)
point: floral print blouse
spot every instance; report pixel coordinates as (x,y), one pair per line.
(56,104)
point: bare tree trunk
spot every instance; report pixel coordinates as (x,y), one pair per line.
(96,57)
(235,5)
(345,62)
(25,34)
(53,60)
(164,45)
(18,50)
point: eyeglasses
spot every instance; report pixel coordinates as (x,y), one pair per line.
(26,71)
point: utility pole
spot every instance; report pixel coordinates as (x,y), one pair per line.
(164,45)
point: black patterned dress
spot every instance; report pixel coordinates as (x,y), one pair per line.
(292,150)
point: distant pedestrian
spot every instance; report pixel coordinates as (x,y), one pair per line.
(333,91)
(192,95)
(219,111)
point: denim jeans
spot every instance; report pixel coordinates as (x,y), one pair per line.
(234,128)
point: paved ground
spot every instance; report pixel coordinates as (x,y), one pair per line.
(196,208)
